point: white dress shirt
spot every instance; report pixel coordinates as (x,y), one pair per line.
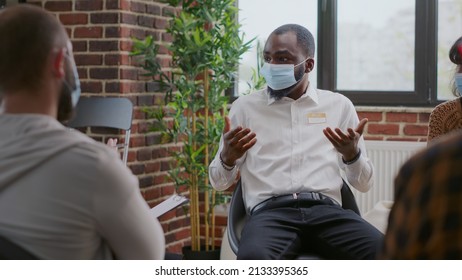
(292,154)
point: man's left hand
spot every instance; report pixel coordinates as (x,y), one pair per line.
(346,143)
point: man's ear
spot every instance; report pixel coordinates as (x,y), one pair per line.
(309,65)
(58,63)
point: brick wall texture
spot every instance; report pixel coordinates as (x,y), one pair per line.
(101,32)
(396,126)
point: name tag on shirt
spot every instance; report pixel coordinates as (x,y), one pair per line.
(314,118)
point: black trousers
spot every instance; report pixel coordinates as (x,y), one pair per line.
(324,230)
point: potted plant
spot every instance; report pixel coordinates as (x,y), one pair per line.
(257,81)
(205,51)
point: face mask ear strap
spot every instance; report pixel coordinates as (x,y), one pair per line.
(302,62)
(73,75)
(310,69)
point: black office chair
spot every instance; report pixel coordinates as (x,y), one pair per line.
(110,112)
(237,216)
(12,251)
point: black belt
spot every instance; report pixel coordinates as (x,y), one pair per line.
(304,199)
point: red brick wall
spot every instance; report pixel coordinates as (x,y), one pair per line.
(101,32)
(395,124)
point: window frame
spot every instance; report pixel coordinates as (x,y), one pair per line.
(425,65)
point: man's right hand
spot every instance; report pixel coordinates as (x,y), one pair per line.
(236,142)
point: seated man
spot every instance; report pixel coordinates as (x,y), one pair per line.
(62,195)
(290,177)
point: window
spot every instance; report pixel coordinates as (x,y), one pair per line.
(399,56)
(260,17)
(392,53)
(375,49)
(406,30)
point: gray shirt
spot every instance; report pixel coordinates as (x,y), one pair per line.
(66,196)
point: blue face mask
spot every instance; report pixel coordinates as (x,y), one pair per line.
(458,82)
(72,82)
(279,76)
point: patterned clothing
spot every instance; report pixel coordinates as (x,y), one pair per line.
(445,118)
(425,221)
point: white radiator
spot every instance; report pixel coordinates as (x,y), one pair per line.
(387,158)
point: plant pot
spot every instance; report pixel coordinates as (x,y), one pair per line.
(188,254)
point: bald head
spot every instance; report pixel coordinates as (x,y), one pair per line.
(28,36)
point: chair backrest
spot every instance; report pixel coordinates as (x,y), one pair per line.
(348,199)
(110,112)
(12,251)
(237,216)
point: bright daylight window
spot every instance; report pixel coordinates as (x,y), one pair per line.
(259,18)
(392,53)
(375,45)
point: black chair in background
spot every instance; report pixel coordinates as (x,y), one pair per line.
(109,112)
(237,216)
(12,251)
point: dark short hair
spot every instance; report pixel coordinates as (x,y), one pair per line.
(28,34)
(305,39)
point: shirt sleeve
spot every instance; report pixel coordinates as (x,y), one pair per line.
(359,173)
(220,178)
(123,216)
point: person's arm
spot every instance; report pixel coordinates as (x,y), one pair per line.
(234,143)
(222,177)
(350,145)
(123,216)
(360,172)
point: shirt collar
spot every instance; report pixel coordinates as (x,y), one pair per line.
(310,93)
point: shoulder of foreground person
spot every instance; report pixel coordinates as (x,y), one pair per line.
(122,214)
(88,146)
(100,161)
